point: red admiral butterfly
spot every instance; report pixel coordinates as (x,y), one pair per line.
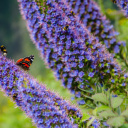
(25,63)
(3,49)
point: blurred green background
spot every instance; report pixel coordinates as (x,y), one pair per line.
(14,35)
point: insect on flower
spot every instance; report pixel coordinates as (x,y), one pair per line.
(66,27)
(26,62)
(3,50)
(14,96)
(72,13)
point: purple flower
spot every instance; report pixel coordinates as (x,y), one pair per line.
(78,94)
(123,4)
(123,84)
(91,74)
(112,80)
(81,102)
(43,106)
(116,49)
(96,124)
(114,96)
(89,14)
(105,124)
(81,74)
(66,44)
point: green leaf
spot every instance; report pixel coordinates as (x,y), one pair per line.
(116,101)
(86,90)
(116,121)
(87,96)
(100,97)
(90,121)
(124,126)
(125,113)
(102,108)
(85,117)
(90,91)
(107,113)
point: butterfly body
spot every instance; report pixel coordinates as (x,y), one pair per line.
(3,50)
(26,62)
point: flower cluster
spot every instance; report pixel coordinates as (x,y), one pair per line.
(89,14)
(123,4)
(76,57)
(44,107)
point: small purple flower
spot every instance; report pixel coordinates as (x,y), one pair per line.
(81,65)
(112,80)
(91,74)
(125,75)
(105,124)
(114,96)
(96,124)
(81,86)
(81,74)
(78,94)
(81,102)
(116,49)
(123,84)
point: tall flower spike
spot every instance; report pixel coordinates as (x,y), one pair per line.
(123,4)
(89,14)
(44,107)
(68,47)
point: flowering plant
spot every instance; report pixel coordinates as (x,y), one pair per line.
(78,43)
(123,4)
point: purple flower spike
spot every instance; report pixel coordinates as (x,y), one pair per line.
(88,13)
(66,44)
(44,107)
(123,4)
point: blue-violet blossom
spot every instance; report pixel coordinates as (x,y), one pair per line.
(123,4)
(67,46)
(45,108)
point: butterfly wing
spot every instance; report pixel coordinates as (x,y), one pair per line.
(29,59)
(19,61)
(25,62)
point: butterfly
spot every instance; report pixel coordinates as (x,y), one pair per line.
(3,49)
(26,62)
